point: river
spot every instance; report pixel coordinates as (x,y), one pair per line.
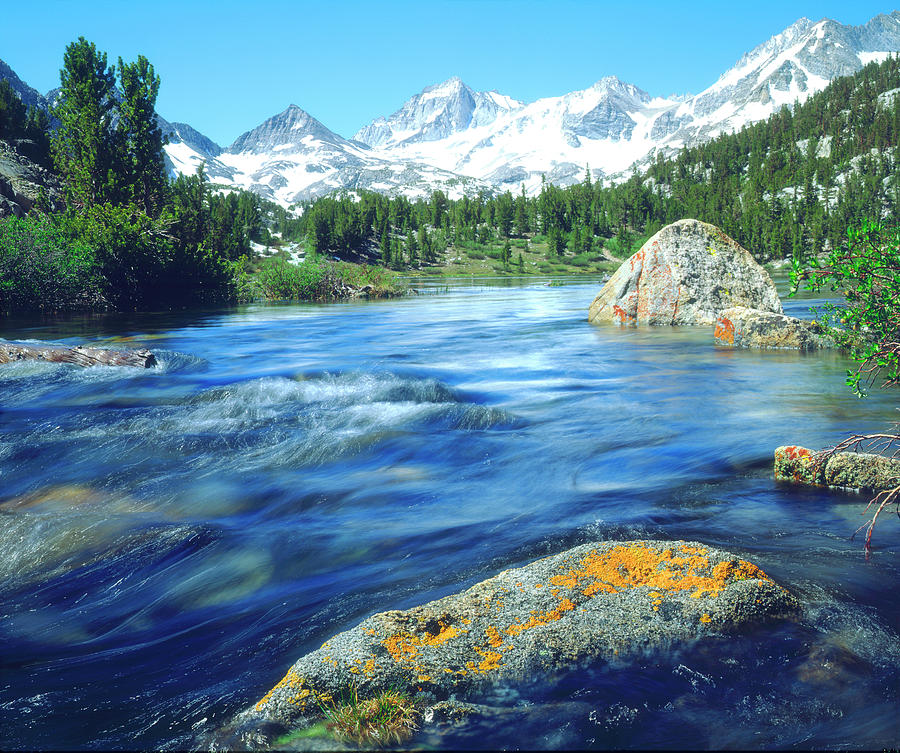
(171,540)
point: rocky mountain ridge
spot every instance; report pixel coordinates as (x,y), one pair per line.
(453,138)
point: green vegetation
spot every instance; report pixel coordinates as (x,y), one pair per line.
(42,259)
(784,188)
(867,273)
(24,124)
(130,238)
(387,718)
(315,280)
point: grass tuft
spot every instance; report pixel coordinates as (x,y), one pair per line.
(386,718)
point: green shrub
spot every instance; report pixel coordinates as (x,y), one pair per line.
(867,272)
(315,280)
(42,267)
(144,267)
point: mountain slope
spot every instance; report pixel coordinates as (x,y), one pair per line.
(451,137)
(30,97)
(292,156)
(611,125)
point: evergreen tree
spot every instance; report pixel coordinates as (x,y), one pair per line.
(141,165)
(385,248)
(82,147)
(521,214)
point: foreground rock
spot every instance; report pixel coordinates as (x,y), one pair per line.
(751,328)
(847,470)
(688,273)
(584,605)
(78,355)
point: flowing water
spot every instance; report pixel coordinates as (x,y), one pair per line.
(171,540)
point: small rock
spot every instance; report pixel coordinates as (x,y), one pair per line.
(846,470)
(750,328)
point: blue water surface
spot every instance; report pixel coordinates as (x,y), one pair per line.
(173,539)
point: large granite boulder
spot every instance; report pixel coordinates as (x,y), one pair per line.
(688,273)
(596,602)
(749,328)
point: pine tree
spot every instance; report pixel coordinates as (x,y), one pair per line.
(385,247)
(82,146)
(139,139)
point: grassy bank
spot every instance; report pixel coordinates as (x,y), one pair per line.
(313,279)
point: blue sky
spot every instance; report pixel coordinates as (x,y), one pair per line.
(226,66)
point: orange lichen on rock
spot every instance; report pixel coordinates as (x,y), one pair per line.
(494,636)
(490,661)
(796,453)
(446,633)
(621,316)
(540,618)
(290,680)
(403,647)
(724,330)
(626,567)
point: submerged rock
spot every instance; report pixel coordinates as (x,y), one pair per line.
(846,470)
(750,328)
(688,273)
(586,604)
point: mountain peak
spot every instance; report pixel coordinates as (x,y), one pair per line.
(286,129)
(454,83)
(436,112)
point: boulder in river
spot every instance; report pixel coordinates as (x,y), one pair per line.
(688,273)
(589,603)
(846,470)
(750,328)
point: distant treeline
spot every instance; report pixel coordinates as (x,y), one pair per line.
(785,187)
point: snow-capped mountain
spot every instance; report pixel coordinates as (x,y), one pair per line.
(612,125)
(292,156)
(452,137)
(437,112)
(602,125)
(789,67)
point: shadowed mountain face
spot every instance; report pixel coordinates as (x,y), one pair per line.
(30,97)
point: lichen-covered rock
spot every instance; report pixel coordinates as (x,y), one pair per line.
(798,464)
(848,470)
(688,273)
(586,604)
(750,328)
